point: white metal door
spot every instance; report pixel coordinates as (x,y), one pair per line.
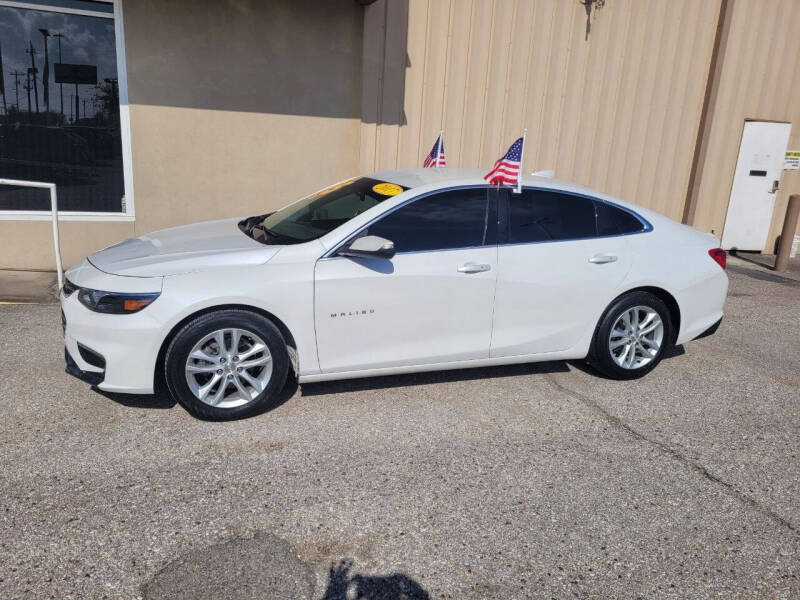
(758,172)
(417,308)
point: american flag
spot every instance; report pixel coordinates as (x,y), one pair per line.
(435,158)
(507,167)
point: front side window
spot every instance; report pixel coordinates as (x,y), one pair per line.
(60,120)
(545,216)
(449,220)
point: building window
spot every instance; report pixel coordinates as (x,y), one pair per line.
(60,119)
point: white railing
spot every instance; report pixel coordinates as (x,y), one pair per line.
(54,213)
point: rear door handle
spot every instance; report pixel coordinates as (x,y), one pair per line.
(471,267)
(600,259)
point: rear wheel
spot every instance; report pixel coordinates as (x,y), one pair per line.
(227,364)
(632,336)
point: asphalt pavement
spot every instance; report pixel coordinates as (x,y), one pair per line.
(531,481)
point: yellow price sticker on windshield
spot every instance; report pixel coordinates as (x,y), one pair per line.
(387,189)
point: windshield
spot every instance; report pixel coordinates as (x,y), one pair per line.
(319,213)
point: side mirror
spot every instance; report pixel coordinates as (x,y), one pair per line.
(369,246)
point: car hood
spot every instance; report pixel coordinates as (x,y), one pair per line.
(199,247)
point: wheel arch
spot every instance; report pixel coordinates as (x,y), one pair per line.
(661,294)
(285,332)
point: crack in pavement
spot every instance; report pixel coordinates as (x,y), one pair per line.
(672,452)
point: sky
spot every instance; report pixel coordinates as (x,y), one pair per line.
(87,40)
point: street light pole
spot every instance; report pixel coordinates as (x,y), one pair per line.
(46,75)
(60,85)
(3,85)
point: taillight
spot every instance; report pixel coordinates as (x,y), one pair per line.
(719,255)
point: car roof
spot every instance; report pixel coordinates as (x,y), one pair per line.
(447,176)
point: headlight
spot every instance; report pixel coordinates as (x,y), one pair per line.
(112,303)
(68,288)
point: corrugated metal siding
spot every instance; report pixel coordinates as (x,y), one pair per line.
(760,81)
(617,111)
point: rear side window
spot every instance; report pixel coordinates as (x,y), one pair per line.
(453,219)
(615,221)
(545,216)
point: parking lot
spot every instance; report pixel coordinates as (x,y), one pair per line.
(531,481)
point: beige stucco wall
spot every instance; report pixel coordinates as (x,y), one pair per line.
(617,109)
(203,164)
(760,80)
(238,107)
(29,244)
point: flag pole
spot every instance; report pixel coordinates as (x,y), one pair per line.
(439,149)
(518,190)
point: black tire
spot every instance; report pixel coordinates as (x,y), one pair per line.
(600,356)
(190,334)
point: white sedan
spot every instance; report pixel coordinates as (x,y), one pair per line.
(397,272)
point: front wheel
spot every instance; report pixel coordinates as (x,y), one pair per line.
(227,364)
(632,336)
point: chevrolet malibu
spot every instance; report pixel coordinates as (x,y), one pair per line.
(398,272)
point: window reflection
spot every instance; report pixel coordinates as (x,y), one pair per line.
(59,117)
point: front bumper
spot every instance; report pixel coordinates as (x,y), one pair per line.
(116,353)
(89,377)
(127,345)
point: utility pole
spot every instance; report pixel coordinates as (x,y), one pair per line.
(16,75)
(46,75)
(33,73)
(84,108)
(60,85)
(28,89)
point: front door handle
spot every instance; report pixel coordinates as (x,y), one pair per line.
(601,259)
(471,267)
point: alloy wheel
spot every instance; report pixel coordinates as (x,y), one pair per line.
(228,368)
(636,337)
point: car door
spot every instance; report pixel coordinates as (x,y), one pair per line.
(555,270)
(430,303)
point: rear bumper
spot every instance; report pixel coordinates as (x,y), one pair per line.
(702,304)
(710,331)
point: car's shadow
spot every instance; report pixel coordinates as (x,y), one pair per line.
(585,367)
(431,377)
(162,400)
